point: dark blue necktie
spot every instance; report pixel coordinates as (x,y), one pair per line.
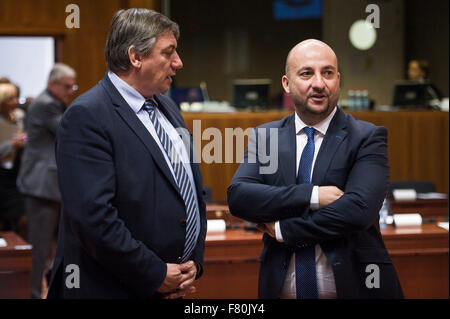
(182,179)
(305,263)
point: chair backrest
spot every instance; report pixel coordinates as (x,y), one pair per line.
(418,186)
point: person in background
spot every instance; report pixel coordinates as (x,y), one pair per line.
(37,178)
(20,110)
(4,80)
(418,70)
(12,209)
(319,210)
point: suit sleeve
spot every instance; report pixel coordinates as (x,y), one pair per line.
(358,208)
(86,172)
(50,115)
(251,198)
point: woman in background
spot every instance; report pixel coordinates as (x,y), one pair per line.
(418,70)
(12,210)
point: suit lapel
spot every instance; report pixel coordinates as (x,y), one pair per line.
(336,133)
(127,114)
(287,154)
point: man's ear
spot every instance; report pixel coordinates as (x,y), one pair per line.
(135,58)
(52,85)
(285,83)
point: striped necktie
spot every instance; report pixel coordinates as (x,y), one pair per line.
(182,179)
(305,263)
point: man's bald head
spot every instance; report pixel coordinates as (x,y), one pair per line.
(307,45)
(312,80)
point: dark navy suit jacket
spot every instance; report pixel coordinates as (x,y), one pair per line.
(123,217)
(353,156)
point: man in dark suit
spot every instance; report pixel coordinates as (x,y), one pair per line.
(37,176)
(320,209)
(133,220)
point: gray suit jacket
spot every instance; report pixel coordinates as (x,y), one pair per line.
(38,175)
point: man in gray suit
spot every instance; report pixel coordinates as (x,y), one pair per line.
(37,178)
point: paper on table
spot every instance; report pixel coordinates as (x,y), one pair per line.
(443,225)
(7,131)
(432,195)
(404,194)
(3,242)
(23,247)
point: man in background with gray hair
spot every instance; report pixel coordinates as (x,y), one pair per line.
(133,222)
(37,178)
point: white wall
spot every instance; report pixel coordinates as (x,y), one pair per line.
(27,62)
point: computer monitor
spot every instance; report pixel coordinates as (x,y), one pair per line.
(413,94)
(251,93)
(180,95)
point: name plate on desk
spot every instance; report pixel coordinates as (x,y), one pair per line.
(216,226)
(407,220)
(404,194)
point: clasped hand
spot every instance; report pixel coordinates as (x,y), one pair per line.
(179,280)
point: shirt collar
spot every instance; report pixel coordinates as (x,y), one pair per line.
(322,126)
(134,99)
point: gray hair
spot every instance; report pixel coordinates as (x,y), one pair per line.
(137,28)
(60,70)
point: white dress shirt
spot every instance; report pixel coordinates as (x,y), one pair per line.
(136,101)
(325,278)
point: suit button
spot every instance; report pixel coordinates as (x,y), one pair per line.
(183,222)
(179,259)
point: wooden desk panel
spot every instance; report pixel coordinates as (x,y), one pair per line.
(231,266)
(417,144)
(420,255)
(425,207)
(15,267)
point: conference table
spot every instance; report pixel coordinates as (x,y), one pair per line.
(420,255)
